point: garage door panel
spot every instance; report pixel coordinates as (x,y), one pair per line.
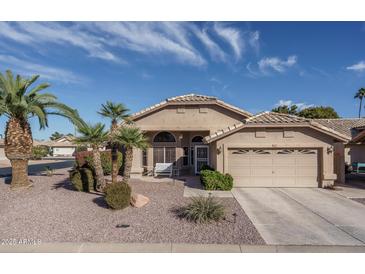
(243,182)
(274,168)
(262,181)
(306,171)
(240,171)
(261,171)
(261,160)
(284,171)
(284,161)
(283,181)
(306,182)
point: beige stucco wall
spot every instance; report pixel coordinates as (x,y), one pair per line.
(184,122)
(274,138)
(339,162)
(193,117)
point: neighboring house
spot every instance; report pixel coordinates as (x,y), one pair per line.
(265,150)
(63,146)
(2,152)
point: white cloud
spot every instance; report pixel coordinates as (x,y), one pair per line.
(28,68)
(214,49)
(185,42)
(276,64)
(359,67)
(232,36)
(254,38)
(38,32)
(152,38)
(289,103)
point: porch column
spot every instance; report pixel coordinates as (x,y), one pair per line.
(137,161)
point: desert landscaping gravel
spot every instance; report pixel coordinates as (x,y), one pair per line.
(51,211)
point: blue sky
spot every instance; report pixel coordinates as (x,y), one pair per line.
(253,65)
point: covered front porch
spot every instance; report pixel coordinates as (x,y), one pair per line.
(184,149)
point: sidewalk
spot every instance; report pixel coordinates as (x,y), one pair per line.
(173,248)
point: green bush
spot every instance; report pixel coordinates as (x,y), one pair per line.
(206,167)
(38,152)
(214,180)
(106,161)
(83,179)
(202,210)
(118,195)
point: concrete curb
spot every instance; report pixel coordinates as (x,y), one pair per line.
(174,248)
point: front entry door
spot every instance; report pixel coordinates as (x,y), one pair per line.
(201,157)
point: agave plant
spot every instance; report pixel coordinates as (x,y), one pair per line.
(19,102)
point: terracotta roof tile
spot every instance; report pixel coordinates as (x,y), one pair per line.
(344,126)
(194,99)
(273,118)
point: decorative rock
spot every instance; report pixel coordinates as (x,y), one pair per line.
(138,200)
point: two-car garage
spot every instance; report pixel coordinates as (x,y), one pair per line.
(260,167)
(277,150)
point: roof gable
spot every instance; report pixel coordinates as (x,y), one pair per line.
(190,99)
(274,119)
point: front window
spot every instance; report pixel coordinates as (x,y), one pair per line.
(164,137)
(164,155)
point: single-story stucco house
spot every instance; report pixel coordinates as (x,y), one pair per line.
(60,147)
(264,150)
(63,146)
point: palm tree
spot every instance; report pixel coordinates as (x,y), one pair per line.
(19,103)
(130,137)
(117,113)
(56,135)
(95,136)
(360,94)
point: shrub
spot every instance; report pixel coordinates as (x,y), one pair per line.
(214,180)
(202,210)
(82,179)
(85,158)
(118,195)
(38,152)
(206,167)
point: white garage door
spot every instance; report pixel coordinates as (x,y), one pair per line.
(273,167)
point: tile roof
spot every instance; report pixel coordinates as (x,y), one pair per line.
(268,117)
(344,126)
(191,99)
(273,118)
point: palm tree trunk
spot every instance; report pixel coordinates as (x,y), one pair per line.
(18,149)
(128,165)
(19,177)
(100,180)
(115,170)
(360,107)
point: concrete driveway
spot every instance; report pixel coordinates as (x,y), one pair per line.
(303,216)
